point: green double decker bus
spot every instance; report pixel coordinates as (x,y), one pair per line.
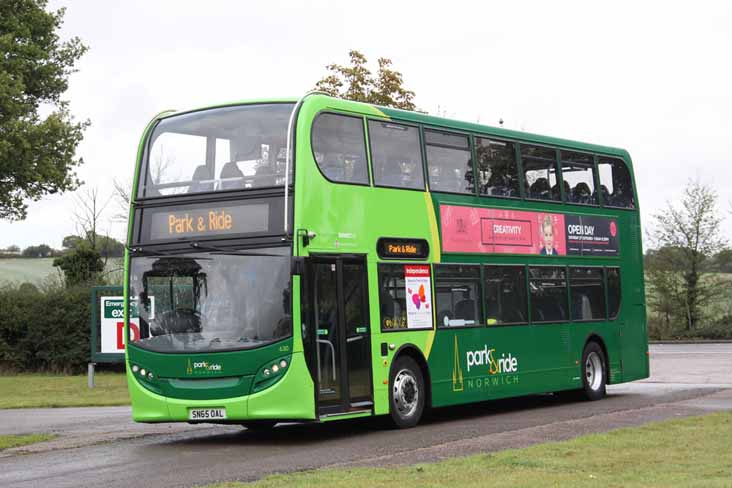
(322,259)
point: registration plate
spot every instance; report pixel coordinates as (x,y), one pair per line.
(206,413)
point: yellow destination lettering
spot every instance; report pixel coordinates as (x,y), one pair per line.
(219,221)
(180,225)
(410,249)
(200,222)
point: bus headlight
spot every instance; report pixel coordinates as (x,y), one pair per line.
(270,373)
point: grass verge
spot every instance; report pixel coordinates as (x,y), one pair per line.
(691,452)
(41,390)
(8,441)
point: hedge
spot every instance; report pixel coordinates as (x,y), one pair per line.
(44,329)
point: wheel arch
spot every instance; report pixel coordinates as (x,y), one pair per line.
(413,351)
(597,338)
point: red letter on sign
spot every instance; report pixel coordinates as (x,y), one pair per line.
(134,332)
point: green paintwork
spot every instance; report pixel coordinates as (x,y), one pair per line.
(350,219)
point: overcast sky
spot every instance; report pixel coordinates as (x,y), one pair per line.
(654,78)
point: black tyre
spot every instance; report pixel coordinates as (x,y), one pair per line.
(406,393)
(593,371)
(259,425)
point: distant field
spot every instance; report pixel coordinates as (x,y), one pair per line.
(22,270)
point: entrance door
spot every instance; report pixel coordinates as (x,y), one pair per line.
(342,346)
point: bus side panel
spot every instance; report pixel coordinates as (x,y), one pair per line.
(481,363)
(633,309)
(291,398)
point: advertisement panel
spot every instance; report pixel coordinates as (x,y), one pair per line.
(419,296)
(505,231)
(591,236)
(112,323)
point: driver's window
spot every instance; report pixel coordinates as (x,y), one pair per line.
(170,304)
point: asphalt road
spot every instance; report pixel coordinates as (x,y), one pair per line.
(687,380)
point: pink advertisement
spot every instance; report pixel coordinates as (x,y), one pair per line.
(492,230)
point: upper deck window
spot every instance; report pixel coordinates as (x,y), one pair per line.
(449,162)
(395,155)
(240,147)
(497,168)
(339,147)
(540,173)
(616,185)
(578,174)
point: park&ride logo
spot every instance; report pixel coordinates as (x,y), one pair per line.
(501,370)
(199,367)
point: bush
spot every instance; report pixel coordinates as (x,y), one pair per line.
(44,329)
(82,265)
(720,329)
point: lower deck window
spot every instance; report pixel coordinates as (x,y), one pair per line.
(458,295)
(392,297)
(548,287)
(505,295)
(405,296)
(588,293)
(613,292)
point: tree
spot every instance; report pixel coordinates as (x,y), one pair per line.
(665,295)
(71,242)
(37,154)
(355,82)
(82,265)
(693,230)
(87,214)
(108,247)
(40,251)
(722,261)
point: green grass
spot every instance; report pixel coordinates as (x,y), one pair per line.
(29,270)
(8,441)
(690,452)
(22,270)
(39,390)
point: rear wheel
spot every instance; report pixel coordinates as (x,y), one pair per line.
(593,371)
(259,425)
(406,393)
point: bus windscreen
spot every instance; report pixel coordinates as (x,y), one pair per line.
(212,301)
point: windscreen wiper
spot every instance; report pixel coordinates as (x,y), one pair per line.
(231,252)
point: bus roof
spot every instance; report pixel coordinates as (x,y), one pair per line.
(431,120)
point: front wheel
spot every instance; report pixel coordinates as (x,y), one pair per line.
(406,393)
(593,371)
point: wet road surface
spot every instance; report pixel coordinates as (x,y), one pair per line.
(686,380)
